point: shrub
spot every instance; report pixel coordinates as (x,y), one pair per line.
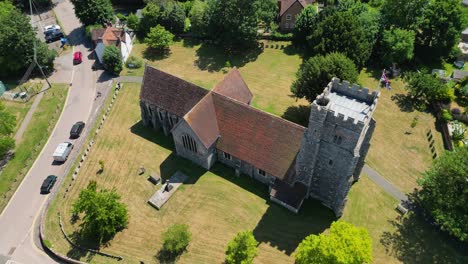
(414,122)
(446,116)
(176,239)
(112,59)
(458,131)
(90,28)
(121,17)
(159,38)
(456,111)
(134,62)
(242,249)
(281,37)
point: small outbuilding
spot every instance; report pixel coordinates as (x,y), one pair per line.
(458,74)
(464,35)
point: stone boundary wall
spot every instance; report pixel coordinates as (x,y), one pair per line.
(74,175)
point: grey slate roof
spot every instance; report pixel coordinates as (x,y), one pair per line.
(349,106)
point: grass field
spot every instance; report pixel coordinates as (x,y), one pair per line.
(398,156)
(268,74)
(18,109)
(215,204)
(34,138)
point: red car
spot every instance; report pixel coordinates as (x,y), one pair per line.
(77,57)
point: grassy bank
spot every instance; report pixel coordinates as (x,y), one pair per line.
(34,138)
(18,109)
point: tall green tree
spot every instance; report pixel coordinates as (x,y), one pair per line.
(267,10)
(176,239)
(405,14)
(199,18)
(233,24)
(397,45)
(306,23)
(167,13)
(440,27)
(242,249)
(341,32)
(159,38)
(112,59)
(92,12)
(104,214)
(315,73)
(427,89)
(17,41)
(133,21)
(444,192)
(345,244)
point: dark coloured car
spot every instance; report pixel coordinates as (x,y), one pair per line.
(54,36)
(76,129)
(48,184)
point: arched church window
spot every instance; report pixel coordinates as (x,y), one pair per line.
(189,143)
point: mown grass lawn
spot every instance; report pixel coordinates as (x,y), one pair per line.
(35,136)
(215,204)
(268,73)
(398,152)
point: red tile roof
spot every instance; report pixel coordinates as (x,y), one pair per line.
(286,4)
(109,35)
(202,120)
(169,92)
(233,86)
(267,142)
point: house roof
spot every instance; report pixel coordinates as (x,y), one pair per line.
(169,92)
(233,86)
(286,4)
(458,74)
(109,35)
(267,142)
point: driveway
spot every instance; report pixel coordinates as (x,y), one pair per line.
(20,215)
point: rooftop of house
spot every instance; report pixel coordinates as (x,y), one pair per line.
(459,74)
(284,5)
(108,35)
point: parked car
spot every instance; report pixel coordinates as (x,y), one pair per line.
(54,36)
(77,57)
(76,129)
(48,184)
(51,28)
(62,151)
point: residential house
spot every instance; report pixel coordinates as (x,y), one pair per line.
(118,37)
(288,11)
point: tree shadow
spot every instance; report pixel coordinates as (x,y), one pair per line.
(293,50)
(156,54)
(190,42)
(77,252)
(213,58)
(298,114)
(285,230)
(156,137)
(165,257)
(415,241)
(404,102)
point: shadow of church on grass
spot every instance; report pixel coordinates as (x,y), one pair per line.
(278,227)
(284,230)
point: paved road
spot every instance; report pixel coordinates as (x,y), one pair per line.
(386,185)
(18,218)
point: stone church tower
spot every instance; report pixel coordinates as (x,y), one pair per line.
(336,142)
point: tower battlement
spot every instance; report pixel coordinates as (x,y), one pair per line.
(354,91)
(348,106)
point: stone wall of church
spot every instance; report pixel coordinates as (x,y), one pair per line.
(243,167)
(205,157)
(157,118)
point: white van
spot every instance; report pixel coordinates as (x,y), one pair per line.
(62,151)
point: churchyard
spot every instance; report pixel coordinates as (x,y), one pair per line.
(216,204)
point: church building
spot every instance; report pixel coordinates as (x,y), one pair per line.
(321,161)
